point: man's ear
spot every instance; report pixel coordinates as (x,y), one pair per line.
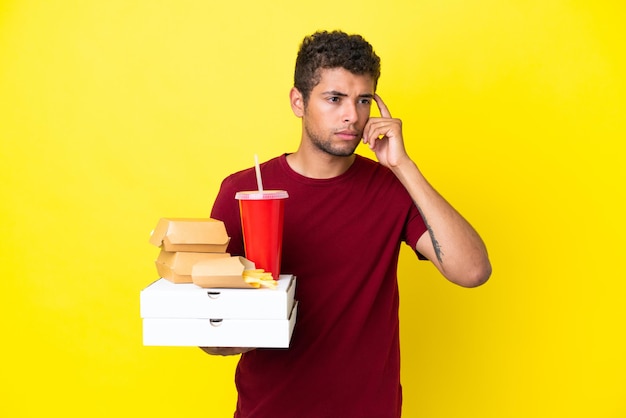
(297,102)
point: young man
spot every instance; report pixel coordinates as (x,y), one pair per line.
(345,219)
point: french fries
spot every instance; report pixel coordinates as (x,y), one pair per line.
(259,278)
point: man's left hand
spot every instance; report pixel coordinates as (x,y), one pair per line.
(384,136)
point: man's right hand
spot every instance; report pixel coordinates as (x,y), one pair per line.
(226,351)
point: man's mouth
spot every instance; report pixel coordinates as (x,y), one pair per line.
(348,135)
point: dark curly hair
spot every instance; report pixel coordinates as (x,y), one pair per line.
(334,49)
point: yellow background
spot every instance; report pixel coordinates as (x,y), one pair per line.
(116,113)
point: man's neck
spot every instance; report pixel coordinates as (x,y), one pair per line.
(318,164)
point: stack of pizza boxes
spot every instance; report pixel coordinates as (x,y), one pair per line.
(201,297)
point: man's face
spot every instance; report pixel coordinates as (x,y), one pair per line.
(337,111)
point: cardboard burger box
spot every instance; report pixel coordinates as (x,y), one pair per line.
(177,266)
(201,235)
(185,242)
(185,314)
(226,272)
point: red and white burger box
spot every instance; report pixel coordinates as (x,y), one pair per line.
(184,314)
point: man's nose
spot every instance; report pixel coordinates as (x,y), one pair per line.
(350,114)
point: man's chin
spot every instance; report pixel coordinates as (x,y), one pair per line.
(341,153)
(347,150)
(340,149)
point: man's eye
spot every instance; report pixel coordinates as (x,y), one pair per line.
(365,101)
(333,99)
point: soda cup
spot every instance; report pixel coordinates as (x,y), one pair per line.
(262,217)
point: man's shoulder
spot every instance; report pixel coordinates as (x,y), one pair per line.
(365,164)
(369,163)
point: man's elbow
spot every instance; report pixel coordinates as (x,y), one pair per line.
(475,276)
(479,276)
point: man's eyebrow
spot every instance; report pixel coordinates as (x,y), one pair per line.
(335,93)
(340,94)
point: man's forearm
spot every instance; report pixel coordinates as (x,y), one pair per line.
(453,245)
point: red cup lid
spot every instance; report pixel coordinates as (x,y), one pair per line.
(264,195)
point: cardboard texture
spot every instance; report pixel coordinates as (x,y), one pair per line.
(222,273)
(202,298)
(176,266)
(164,299)
(205,332)
(204,235)
(188,315)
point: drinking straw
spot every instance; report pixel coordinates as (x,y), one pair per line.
(259,182)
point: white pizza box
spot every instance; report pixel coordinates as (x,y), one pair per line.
(167,300)
(205,332)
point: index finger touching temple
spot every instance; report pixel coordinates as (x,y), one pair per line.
(384,111)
